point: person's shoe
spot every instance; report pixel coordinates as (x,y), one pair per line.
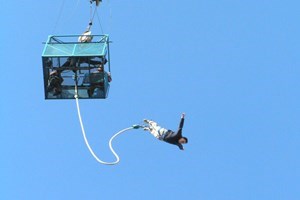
(146,121)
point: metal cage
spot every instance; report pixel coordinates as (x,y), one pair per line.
(67,62)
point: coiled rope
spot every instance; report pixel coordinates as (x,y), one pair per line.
(111,139)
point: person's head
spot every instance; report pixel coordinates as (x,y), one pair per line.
(183,140)
(54,73)
(100,68)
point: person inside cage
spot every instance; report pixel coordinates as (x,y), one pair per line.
(96,80)
(54,82)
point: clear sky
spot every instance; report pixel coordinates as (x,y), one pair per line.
(232,66)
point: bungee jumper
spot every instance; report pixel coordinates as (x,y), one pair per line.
(167,135)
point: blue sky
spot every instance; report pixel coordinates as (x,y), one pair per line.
(231,66)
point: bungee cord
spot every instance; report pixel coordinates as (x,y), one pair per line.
(111,139)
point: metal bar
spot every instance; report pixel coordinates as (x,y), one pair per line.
(108,56)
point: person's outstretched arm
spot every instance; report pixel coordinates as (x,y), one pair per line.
(181,121)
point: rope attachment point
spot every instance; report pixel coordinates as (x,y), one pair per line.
(137,126)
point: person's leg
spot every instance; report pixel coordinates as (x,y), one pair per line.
(153,128)
(91,90)
(152,124)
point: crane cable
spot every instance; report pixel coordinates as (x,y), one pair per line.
(92,13)
(60,12)
(59,15)
(111,139)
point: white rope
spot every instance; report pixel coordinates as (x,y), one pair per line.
(110,141)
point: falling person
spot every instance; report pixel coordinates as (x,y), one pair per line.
(167,135)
